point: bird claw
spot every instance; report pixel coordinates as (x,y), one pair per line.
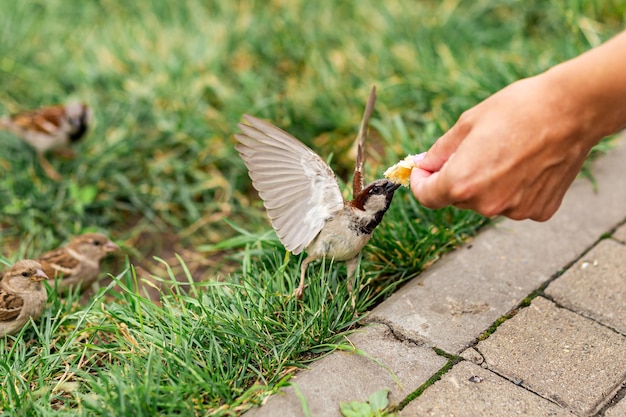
(298,292)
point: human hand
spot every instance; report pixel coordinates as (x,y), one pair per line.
(514,154)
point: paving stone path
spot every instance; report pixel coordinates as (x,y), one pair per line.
(558,290)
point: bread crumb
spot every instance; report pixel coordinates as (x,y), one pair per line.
(400,173)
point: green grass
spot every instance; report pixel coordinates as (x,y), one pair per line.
(168,82)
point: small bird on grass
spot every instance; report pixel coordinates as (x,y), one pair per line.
(50,128)
(303,199)
(78,263)
(22,295)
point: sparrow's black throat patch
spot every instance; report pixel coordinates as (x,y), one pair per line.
(80,129)
(377,188)
(368,228)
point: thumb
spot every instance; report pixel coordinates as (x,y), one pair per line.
(430,189)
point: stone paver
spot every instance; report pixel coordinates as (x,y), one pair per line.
(596,285)
(469,390)
(618,410)
(573,361)
(620,234)
(347,376)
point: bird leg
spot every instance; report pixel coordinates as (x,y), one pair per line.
(300,290)
(48,168)
(65,153)
(351,269)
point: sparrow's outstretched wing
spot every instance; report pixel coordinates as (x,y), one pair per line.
(299,190)
(357,180)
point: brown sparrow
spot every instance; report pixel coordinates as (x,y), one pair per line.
(77,263)
(22,295)
(50,128)
(303,199)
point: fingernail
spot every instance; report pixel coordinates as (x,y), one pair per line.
(419,157)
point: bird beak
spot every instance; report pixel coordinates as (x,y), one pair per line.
(111,247)
(39,276)
(392,186)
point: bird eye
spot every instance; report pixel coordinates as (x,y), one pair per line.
(96,243)
(376,190)
(25,274)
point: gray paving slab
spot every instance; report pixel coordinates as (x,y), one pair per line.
(620,234)
(469,390)
(462,294)
(596,285)
(400,366)
(560,355)
(618,410)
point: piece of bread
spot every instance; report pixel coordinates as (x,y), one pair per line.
(401,172)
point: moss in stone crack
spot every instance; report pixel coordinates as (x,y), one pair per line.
(447,355)
(523,304)
(452,360)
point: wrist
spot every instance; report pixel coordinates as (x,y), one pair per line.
(592,88)
(567,120)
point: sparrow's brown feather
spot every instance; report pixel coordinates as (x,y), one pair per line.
(58,263)
(299,190)
(357,181)
(10,305)
(22,296)
(45,120)
(78,262)
(49,128)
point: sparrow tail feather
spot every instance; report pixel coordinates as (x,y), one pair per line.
(357,182)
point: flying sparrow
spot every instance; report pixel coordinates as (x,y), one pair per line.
(77,263)
(50,128)
(22,295)
(303,199)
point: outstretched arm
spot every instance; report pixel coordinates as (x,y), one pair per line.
(517,152)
